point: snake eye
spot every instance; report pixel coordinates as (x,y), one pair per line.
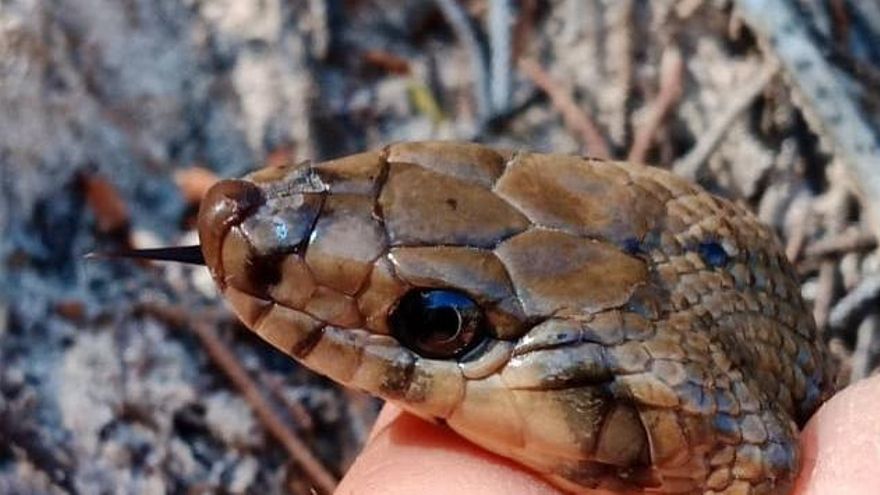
(437,323)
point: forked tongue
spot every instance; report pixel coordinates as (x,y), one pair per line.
(178,254)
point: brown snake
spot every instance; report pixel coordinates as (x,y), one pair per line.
(605,324)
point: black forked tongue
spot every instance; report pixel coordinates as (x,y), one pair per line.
(178,254)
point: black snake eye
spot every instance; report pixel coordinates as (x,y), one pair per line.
(437,323)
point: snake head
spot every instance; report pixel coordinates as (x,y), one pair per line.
(604,324)
(409,274)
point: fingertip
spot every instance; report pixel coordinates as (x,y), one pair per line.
(841,444)
(406,455)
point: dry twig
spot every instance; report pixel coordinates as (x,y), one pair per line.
(850,240)
(229,364)
(297,411)
(824,293)
(855,304)
(387,61)
(574,117)
(671,67)
(689,165)
(108,205)
(461,25)
(797,236)
(833,207)
(499,26)
(300,452)
(522,29)
(868,333)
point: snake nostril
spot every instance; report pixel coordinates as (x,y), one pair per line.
(226,204)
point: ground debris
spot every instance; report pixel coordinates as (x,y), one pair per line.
(118,115)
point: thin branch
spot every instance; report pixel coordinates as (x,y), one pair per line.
(824,293)
(461,26)
(223,357)
(577,121)
(671,68)
(850,240)
(236,373)
(797,235)
(867,336)
(857,303)
(525,25)
(297,411)
(690,164)
(500,28)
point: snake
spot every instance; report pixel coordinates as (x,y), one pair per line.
(604,324)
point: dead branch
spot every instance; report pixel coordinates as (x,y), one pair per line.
(866,336)
(690,164)
(857,303)
(851,240)
(575,118)
(460,23)
(671,89)
(224,358)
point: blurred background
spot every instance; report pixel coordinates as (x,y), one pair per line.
(115,116)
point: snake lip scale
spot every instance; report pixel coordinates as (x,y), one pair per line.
(603,323)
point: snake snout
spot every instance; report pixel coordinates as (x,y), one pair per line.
(225,205)
(250,232)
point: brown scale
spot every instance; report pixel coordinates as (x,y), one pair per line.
(630,331)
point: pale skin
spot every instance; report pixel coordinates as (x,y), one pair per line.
(405,455)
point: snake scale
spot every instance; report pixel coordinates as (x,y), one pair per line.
(603,323)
